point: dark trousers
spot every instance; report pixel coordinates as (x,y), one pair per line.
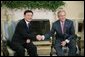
(71,46)
(20,49)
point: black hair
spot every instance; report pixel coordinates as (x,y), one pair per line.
(27,11)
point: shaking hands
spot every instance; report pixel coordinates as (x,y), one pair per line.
(40,37)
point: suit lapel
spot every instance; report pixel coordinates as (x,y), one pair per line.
(26,26)
(59,27)
(65,25)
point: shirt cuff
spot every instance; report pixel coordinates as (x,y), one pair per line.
(67,41)
(43,37)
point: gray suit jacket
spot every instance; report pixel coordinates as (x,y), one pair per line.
(69,31)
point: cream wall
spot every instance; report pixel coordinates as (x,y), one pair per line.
(75,9)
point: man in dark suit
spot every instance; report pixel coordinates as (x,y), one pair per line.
(65,32)
(23,36)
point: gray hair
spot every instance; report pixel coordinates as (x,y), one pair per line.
(61,11)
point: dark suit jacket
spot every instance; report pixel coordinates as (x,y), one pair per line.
(22,33)
(69,31)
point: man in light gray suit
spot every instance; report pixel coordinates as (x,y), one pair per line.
(65,32)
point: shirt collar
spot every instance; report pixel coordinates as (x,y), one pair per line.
(27,22)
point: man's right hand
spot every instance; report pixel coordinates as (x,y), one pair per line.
(39,37)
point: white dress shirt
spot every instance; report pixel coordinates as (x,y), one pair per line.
(27,23)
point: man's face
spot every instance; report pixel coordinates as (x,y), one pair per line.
(28,16)
(62,16)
